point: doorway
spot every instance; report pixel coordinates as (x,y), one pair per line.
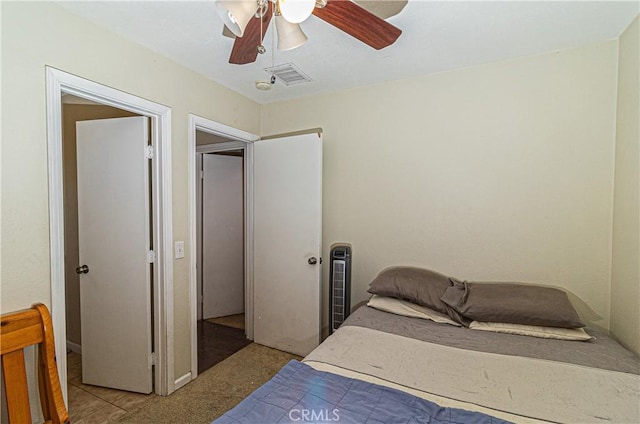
(290,169)
(60,83)
(220,251)
(219,141)
(94,135)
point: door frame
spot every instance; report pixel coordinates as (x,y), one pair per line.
(58,83)
(241,140)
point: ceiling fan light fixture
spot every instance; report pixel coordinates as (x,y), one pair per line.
(236,14)
(290,35)
(296,11)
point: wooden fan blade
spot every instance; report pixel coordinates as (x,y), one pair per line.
(359,23)
(245,48)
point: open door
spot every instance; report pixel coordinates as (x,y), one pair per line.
(114,241)
(287,242)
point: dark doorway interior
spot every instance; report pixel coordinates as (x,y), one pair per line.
(217,342)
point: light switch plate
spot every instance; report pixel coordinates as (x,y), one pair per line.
(179,250)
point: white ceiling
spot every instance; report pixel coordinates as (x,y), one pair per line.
(437,36)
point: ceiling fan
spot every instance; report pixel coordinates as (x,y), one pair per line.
(248,21)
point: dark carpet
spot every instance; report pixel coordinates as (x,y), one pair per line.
(217,342)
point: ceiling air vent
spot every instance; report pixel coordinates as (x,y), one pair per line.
(288,73)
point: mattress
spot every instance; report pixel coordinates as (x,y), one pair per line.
(516,378)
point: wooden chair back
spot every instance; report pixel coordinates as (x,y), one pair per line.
(17,331)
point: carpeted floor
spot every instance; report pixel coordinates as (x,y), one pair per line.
(215,391)
(217,342)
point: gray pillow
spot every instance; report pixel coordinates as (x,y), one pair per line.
(416,285)
(512,303)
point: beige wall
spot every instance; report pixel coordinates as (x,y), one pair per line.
(497,172)
(39,34)
(625,275)
(71,113)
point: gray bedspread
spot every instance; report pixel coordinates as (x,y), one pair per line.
(603,352)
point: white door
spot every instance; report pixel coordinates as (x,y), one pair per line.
(222,235)
(287,242)
(114,238)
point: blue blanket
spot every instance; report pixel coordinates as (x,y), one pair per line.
(301,394)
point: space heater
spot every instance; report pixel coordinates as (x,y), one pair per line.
(339,285)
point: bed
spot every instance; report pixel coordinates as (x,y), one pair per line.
(380,367)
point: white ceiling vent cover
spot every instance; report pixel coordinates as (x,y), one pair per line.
(289,74)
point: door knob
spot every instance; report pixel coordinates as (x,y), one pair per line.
(82,269)
(312,260)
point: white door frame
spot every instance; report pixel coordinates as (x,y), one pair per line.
(57,83)
(242,140)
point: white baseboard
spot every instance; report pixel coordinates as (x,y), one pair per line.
(74,347)
(182,380)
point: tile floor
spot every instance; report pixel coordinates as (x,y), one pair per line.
(98,405)
(207,397)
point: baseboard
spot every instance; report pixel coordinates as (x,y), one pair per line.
(74,347)
(182,380)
